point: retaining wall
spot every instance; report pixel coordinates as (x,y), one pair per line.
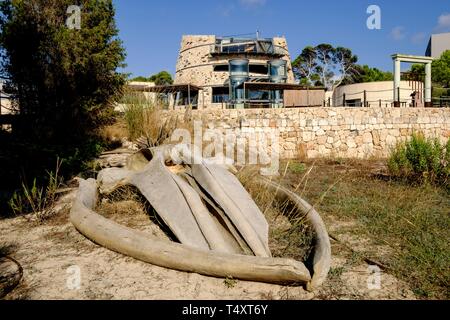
(330,132)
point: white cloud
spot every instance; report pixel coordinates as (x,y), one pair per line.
(252,3)
(443,22)
(226,11)
(398,33)
(418,38)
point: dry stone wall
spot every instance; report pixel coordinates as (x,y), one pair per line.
(330,132)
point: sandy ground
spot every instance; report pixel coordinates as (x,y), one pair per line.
(52,253)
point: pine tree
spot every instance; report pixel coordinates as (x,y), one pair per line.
(62,76)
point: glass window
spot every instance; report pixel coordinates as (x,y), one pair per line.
(353,103)
(181,99)
(221,68)
(259,95)
(238,68)
(278,70)
(258,69)
(220,95)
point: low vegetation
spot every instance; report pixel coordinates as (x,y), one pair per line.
(421,160)
(147,121)
(37,200)
(411,222)
(289,234)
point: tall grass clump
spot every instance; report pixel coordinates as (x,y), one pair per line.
(148,121)
(421,160)
(38,200)
(289,233)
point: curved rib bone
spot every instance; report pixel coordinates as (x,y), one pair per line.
(172,255)
(322,250)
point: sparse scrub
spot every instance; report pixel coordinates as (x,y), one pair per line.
(229,282)
(421,160)
(410,221)
(289,234)
(37,200)
(297,167)
(145,120)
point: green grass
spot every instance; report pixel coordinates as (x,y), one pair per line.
(297,167)
(229,282)
(412,220)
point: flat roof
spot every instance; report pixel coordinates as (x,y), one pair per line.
(182,87)
(248,85)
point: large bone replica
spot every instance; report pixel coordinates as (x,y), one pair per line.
(226,238)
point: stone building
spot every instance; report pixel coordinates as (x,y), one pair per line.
(235,73)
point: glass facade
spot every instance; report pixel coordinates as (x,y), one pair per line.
(277,74)
(277,71)
(239,70)
(244,46)
(239,73)
(182,99)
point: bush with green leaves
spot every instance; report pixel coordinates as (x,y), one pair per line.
(421,159)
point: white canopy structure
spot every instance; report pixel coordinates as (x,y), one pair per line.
(398,59)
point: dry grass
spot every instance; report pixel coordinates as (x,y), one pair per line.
(411,221)
(116,131)
(127,207)
(147,120)
(289,234)
(37,202)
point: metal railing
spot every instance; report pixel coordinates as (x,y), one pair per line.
(350,100)
(243,48)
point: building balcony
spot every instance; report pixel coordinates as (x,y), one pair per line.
(247,47)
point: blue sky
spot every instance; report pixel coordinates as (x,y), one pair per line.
(152,30)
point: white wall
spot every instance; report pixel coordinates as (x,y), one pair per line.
(375,91)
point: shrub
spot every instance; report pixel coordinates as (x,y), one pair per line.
(37,200)
(422,160)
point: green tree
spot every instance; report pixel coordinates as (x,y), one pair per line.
(440,70)
(364,73)
(140,79)
(162,78)
(324,65)
(304,66)
(63,79)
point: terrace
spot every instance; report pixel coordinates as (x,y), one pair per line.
(247,46)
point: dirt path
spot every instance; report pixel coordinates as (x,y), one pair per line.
(51,253)
(350,276)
